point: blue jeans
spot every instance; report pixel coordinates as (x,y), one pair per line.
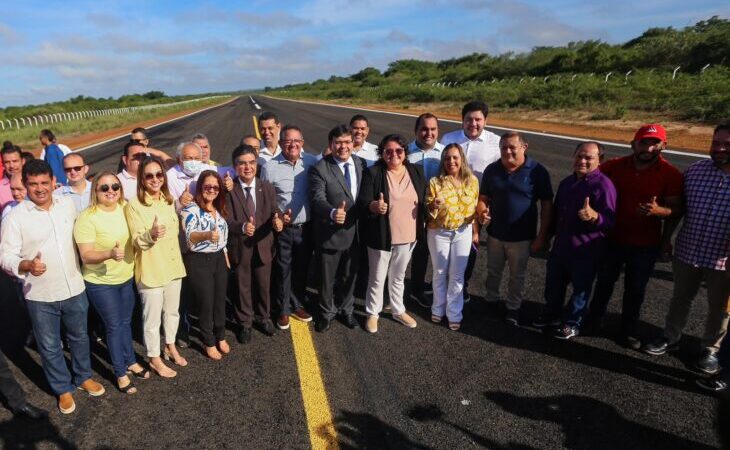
(46,318)
(560,272)
(638,264)
(115,304)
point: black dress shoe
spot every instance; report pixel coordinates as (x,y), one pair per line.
(268,328)
(244,335)
(349,321)
(323,325)
(31,412)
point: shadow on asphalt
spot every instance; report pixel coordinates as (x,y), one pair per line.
(19,433)
(365,431)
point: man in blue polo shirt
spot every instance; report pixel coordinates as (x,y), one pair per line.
(509,193)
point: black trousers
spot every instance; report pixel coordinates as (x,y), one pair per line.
(419,263)
(9,387)
(337,280)
(208,278)
(294,248)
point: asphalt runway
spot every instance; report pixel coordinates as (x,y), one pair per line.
(488,386)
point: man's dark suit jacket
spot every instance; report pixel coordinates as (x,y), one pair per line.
(241,246)
(328,189)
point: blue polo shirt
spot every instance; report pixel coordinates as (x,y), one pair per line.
(513,199)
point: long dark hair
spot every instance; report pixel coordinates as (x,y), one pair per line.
(140,180)
(219,203)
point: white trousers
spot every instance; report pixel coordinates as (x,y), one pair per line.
(516,255)
(391,265)
(449,251)
(159,303)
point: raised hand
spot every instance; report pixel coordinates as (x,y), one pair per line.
(186,197)
(287,217)
(438,202)
(277,223)
(228,182)
(340,214)
(37,267)
(214,235)
(117,253)
(586,213)
(158,230)
(250,227)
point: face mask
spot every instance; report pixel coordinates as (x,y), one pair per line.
(191,168)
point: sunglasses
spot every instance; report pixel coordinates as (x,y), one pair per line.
(105,187)
(159,175)
(73,169)
(211,188)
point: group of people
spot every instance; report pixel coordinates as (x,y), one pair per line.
(172,232)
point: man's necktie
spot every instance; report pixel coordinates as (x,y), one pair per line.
(250,206)
(348,179)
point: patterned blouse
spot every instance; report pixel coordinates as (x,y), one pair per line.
(460,202)
(196,219)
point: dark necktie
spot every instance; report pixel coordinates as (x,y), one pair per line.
(250,206)
(348,180)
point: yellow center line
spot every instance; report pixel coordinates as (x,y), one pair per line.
(256,127)
(322,433)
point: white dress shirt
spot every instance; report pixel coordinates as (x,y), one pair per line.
(29,230)
(129,184)
(479,152)
(253,197)
(368,152)
(81,200)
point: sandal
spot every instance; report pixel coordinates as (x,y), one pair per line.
(454,326)
(435,318)
(143,374)
(128,389)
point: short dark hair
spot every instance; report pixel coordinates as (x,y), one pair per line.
(725,126)
(476,105)
(339,130)
(139,130)
(286,128)
(423,117)
(248,136)
(7,144)
(393,138)
(220,200)
(130,144)
(27,156)
(510,134)
(34,168)
(601,148)
(268,115)
(357,117)
(11,149)
(243,149)
(48,134)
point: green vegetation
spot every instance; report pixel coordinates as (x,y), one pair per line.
(27,138)
(572,76)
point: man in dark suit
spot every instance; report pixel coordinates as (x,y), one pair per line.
(252,218)
(334,184)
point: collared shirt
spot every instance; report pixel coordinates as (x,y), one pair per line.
(291,182)
(353,174)
(265,154)
(513,199)
(64,148)
(29,230)
(8,207)
(429,159)
(368,152)
(80,200)
(575,238)
(704,239)
(129,184)
(194,219)
(178,180)
(252,191)
(479,152)
(460,202)
(5,195)
(634,187)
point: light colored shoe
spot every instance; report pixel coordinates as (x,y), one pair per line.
(371,325)
(92,387)
(66,403)
(435,318)
(406,320)
(454,326)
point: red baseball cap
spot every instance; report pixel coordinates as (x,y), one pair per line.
(653,130)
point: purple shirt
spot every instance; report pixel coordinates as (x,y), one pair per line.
(575,238)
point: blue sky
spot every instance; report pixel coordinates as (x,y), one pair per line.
(57,50)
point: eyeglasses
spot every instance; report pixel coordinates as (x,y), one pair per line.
(73,169)
(159,175)
(211,188)
(114,187)
(394,151)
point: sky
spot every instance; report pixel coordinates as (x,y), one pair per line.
(57,50)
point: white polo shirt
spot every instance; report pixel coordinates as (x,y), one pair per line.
(479,152)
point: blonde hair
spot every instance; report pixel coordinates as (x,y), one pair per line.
(465,172)
(93,201)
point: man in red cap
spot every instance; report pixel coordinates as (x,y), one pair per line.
(649,202)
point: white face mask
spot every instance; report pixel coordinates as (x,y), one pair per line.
(192,168)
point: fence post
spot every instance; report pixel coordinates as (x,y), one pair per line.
(674,74)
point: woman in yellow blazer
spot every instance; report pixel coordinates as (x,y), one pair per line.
(158,269)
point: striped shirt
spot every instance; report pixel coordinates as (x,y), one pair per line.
(196,219)
(704,239)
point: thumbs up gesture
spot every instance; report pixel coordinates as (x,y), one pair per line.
(586,213)
(214,235)
(649,209)
(340,214)
(228,182)
(117,253)
(277,223)
(484,216)
(157,231)
(186,197)
(250,228)
(438,202)
(287,217)
(37,267)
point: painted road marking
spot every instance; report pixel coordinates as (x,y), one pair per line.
(536,133)
(322,433)
(256,127)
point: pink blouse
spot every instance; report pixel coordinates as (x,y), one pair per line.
(402,208)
